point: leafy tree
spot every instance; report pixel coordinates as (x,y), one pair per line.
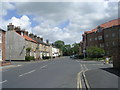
(67,50)
(75,48)
(95,52)
(59,44)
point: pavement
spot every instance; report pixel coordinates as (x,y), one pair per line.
(99,75)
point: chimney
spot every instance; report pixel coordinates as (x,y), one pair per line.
(47,41)
(35,37)
(10,27)
(38,38)
(41,39)
(26,33)
(17,28)
(31,35)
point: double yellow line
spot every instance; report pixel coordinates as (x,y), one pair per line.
(79,82)
(80,76)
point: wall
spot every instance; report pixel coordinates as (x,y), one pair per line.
(15,46)
(3,46)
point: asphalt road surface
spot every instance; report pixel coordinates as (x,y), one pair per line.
(62,72)
(58,73)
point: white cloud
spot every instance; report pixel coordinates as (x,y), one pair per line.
(4,6)
(82,16)
(23,22)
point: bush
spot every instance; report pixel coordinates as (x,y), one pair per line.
(28,58)
(95,52)
(81,56)
(59,56)
(46,57)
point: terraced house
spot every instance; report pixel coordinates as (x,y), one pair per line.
(19,44)
(106,36)
(43,48)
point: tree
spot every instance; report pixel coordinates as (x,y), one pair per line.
(67,50)
(59,44)
(75,48)
(95,52)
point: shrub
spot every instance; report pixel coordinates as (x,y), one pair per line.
(46,57)
(81,56)
(28,58)
(95,52)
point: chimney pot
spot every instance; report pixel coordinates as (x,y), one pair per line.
(41,39)
(10,27)
(47,41)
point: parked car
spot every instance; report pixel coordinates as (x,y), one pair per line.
(72,56)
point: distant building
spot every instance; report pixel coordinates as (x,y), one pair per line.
(106,36)
(2,45)
(55,52)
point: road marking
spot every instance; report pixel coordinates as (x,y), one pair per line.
(44,66)
(85,67)
(19,65)
(77,60)
(79,82)
(82,75)
(27,73)
(3,81)
(86,82)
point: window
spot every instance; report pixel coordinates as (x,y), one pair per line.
(113,34)
(113,43)
(106,35)
(101,45)
(107,44)
(95,38)
(99,37)
(90,39)
(107,52)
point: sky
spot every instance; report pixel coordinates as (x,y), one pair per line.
(65,21)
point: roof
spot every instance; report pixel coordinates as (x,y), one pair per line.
(28,38)
(2,30)
(41,42)
(106,25)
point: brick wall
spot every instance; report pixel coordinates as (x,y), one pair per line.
(3,46)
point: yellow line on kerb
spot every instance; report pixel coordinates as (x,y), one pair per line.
(79,82)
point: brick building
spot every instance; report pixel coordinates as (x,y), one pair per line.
(106,36)
(2,45)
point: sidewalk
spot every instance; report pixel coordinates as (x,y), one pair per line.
(8,66)
(103,78)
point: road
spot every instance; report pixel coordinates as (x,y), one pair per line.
(59,73)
